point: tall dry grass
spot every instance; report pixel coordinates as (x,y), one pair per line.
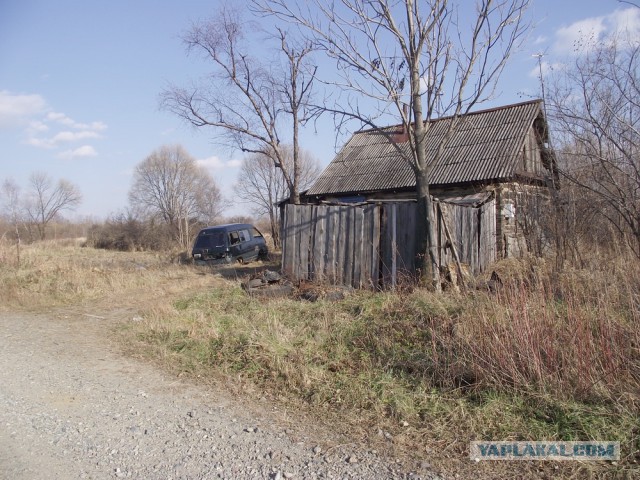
(573,335)
(54,273)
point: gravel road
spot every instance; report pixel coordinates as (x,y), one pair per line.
(73,406)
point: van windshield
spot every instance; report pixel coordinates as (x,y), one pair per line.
(210,239)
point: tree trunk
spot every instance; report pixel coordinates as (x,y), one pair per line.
(426,258)
(275,228)
(426,248)
(295,194)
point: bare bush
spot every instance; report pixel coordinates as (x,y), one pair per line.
(124,232)
(596,112)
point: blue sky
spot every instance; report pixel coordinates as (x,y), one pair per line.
(80,81)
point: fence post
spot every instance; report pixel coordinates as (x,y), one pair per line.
(394,249)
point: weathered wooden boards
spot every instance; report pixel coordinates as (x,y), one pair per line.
(334,244)
(372,246)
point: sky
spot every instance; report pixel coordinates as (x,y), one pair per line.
(80,82)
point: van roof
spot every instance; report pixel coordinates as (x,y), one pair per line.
(228,226)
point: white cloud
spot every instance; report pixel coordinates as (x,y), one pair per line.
(626,21)
(16,109)
(39,142)
(44,128)
(73,136)
(60,118)
(74,132)
(215,163)
(61,137)
(585,34)
(579,35)
(540,40)
(95,126)
(211,162)
(69,122)
(37,126)
(84,151)
(547,68)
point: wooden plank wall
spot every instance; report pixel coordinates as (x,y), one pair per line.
(488,251)
(403,264)
(463,224)
(332,244)
(354,245)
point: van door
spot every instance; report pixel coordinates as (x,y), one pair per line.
(245,245)
(235,245)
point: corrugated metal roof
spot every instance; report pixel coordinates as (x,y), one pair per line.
(485,146)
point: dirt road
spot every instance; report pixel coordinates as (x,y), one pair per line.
(73,406)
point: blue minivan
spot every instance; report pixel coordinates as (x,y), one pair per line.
(235,242)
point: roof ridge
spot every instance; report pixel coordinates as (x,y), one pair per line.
(475,112)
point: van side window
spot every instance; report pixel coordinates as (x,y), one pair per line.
(234,238)
(244,235)
(255,233)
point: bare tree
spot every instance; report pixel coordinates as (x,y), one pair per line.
(250,104)
(45,200)
(596,108)
(171,186)
(419,54)
(262,185)
(10,195)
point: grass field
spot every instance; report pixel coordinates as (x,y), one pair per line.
(550,356)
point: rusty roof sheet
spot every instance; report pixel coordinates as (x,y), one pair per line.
(484,147)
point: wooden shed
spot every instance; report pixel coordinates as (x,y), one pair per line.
(489,187)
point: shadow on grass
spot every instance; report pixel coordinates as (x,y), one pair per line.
(238,271)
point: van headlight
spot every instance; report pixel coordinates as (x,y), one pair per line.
(197,255)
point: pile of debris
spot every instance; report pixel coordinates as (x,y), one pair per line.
(267,284)
(271,284)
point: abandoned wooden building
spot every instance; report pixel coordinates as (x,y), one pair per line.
(489,185)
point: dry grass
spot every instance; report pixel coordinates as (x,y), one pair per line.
(53,274)
(547,357)
(531,362)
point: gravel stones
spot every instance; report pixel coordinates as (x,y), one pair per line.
(71,407)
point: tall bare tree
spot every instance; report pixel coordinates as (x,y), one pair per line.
(250,104)
(10,196)
(171,186)
(595,104)
(46,199)
(437,57)
(262,185)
